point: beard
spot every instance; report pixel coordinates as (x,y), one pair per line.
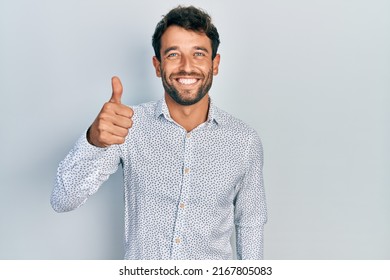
(184,97)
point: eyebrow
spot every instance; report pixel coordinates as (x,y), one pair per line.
(202,49)
(170,49)
(174,48)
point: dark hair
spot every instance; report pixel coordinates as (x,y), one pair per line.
(189,18)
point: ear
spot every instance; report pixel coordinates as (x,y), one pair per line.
(157,64)
(216,61)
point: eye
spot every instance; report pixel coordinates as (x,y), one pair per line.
(199,54)
(172,55)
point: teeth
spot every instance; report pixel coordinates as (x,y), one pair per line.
(187,81)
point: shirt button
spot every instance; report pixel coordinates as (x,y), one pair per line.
(177,240)
(188,135)
(181,205)
(186,170)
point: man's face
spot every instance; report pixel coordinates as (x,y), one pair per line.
(186,66)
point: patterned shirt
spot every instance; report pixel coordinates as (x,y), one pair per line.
(185,192)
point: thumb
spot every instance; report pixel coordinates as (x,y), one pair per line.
(117,90)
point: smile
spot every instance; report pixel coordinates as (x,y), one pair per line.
(187,81)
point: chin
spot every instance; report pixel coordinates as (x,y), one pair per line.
(186,102)
(189,101)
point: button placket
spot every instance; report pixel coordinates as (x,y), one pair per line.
(180,226)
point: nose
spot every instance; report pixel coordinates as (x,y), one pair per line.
(186,64)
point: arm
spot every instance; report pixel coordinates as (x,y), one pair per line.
(81,174)
(95,156)
(250,205)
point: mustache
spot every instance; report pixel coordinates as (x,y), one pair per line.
(187,74)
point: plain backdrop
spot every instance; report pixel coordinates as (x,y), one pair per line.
(312,77)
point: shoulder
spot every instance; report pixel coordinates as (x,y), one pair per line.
(239,132)
(233,124)
(244,137)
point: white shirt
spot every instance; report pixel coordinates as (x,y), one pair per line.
(185,193)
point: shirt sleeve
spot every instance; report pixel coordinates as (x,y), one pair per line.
(81,174)
(250,205)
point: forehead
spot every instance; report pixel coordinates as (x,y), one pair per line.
(182,38)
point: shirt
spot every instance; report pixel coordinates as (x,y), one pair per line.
(185,192)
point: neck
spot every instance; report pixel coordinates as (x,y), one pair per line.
(191,116)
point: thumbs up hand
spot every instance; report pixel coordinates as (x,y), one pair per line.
(112,124)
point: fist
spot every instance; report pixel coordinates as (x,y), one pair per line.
(112,124)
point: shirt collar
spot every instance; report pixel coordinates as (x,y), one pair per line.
(213,114)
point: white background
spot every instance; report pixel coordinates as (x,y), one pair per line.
(312,77)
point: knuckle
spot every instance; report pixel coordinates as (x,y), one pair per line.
(108,106)
(105,107)
(104,116)
(102,138)
(100,128)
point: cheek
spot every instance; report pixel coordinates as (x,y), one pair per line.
(206,67)
(166,69)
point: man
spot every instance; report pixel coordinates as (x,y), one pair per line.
(192,173)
